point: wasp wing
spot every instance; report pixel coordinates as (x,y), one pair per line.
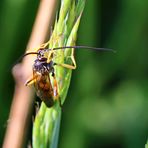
(44,88)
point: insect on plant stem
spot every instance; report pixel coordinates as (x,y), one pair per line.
(44,66)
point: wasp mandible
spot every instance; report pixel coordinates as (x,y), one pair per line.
(44,66)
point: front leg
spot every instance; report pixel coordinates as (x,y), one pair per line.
(73,66)
(65,65)
(30,81)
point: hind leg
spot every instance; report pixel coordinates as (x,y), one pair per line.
(55,86)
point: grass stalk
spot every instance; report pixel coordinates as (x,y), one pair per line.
(47,122)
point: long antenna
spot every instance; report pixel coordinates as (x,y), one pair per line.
(29,53)
(84,47)
(64,47)
(21,57)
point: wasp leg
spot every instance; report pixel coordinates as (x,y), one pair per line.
(73,59)
(44,45)
(66,65)
(30,81)
(74,66)
(40,47)
(56,89)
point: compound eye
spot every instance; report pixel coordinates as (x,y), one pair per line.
(40,54)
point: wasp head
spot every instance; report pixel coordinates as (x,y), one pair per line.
(41,56)
(40,64)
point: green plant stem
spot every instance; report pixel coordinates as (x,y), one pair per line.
(47,121)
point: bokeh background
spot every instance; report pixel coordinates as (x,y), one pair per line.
(107,101)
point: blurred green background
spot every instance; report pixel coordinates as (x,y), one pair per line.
(107,101)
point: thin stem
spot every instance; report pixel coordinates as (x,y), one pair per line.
(23,96)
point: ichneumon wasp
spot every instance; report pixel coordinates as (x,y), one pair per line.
(43,66)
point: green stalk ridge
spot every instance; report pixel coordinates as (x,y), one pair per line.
(47,122)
